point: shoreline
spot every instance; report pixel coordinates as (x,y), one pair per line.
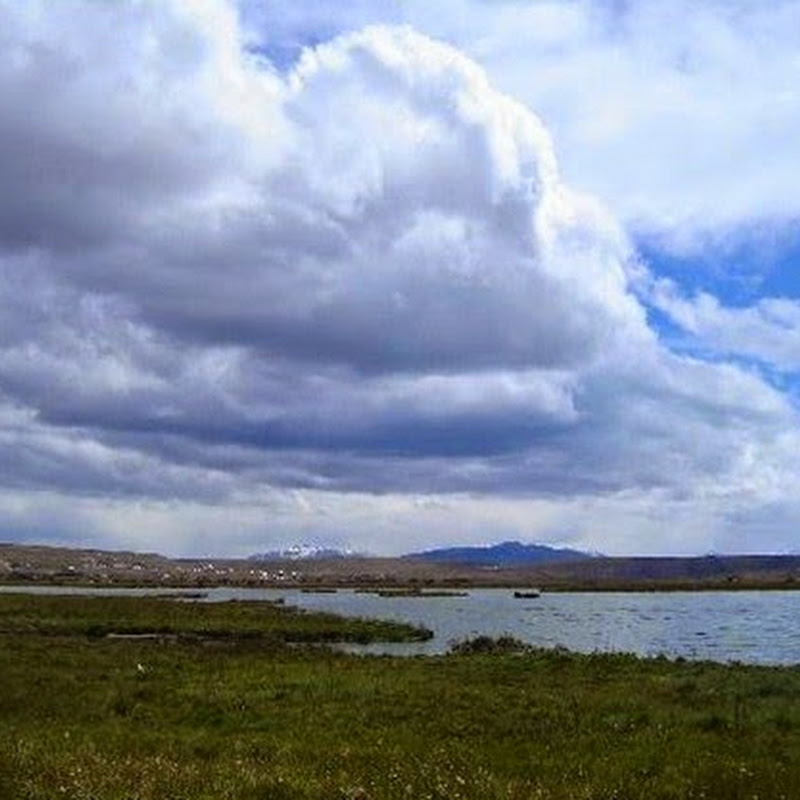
(411,588)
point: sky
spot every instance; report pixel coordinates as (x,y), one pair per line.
(391,274)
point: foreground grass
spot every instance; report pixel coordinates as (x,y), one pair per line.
(87,717)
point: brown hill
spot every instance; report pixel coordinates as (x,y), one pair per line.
(39,564)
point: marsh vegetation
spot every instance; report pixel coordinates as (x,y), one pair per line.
(253,714)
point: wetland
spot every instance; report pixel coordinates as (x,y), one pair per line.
(250,700)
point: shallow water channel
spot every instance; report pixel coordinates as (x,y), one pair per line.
(752,627)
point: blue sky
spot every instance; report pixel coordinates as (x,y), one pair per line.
(396,275)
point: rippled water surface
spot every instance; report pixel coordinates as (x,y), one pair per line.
(757,627)
(754,627)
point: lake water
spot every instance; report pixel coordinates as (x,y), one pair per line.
(752,627)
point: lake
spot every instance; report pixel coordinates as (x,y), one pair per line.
(747,626)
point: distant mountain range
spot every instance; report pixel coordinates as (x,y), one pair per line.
(505,554)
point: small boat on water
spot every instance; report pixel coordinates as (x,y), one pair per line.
(528,593)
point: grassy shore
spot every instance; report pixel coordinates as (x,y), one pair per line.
(265,622)
(200,714)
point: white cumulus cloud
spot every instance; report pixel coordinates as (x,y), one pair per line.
(359,276)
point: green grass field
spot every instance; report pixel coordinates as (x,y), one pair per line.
(207,712)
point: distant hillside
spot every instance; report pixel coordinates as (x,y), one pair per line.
(506,554)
